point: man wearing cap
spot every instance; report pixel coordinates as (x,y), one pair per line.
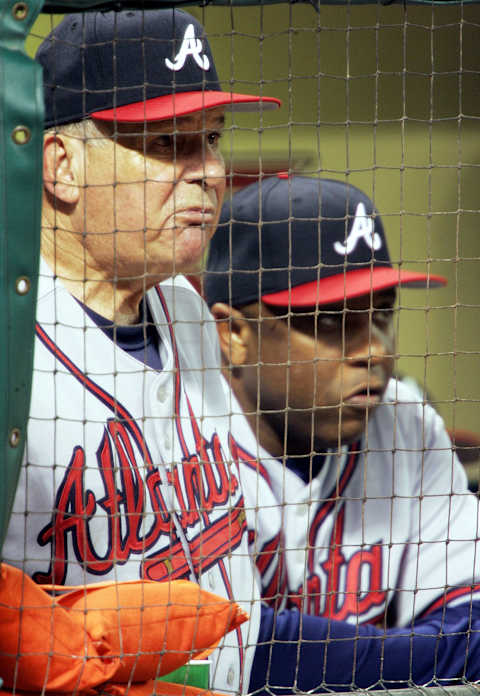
(130,464)
(362,527)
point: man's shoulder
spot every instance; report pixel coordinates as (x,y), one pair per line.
(183,299)
(401,408)
(179,281)
(403,392)
(55,305)
(182,313)
(406,418)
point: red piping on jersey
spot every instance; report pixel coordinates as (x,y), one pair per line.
(266,554)
(271,550)
(248,459)
(329,503)
(111,403)
(241,650)
(450,596)
(177,371)
(276,590)
(336,545)
(186,454)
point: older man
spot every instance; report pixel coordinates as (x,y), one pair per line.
(130,464)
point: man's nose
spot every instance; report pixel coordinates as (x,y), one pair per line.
(368,344)
(204,165)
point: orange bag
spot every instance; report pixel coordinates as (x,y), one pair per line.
(40,644)
(156,688)
(150,688)
(153,627)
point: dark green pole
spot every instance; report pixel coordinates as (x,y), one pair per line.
(21,129)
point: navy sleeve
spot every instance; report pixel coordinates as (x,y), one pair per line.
(299,651)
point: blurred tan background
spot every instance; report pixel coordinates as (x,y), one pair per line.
(389,98)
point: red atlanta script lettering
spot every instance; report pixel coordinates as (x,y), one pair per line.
(201,483)
(342,595)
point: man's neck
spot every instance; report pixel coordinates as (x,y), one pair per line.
(271,435)
(307,467)
(266,434)
(305,464)
(116,301)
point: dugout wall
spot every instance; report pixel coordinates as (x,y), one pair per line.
(387,98)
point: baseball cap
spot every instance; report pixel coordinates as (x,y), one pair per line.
(301,242)
(132,66)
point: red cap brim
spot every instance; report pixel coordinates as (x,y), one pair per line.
(182,104)
(351,284)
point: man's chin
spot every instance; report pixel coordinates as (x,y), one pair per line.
(345,436)
(157,272)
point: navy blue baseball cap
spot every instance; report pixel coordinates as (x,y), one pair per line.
(132,66)
(301,242)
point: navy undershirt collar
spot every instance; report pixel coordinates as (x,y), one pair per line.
(307,468)
(139,340)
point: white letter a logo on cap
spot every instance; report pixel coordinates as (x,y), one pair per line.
(190,47)
(363,226)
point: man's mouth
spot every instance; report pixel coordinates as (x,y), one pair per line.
(365,395)
(196,217)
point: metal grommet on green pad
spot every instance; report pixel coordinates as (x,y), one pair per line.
(20,11)
(21,135)
(21,132)
(23,285)
(14,437)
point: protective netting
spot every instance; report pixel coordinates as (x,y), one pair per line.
(317,484)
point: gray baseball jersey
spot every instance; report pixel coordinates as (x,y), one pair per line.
(387,527)
(130,472)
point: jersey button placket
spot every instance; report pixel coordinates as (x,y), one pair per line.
(162,393)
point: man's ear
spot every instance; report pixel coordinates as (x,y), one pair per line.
(234,333)
(59,169)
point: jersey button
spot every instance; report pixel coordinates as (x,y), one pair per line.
(211,580)
(230,676)
(161,394)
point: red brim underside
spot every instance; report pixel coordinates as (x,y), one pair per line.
(184,103)
(350,284)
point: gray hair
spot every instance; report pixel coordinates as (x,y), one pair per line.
(89,130)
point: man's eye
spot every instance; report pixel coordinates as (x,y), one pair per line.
(383,315)
(328,322)
(163,142)
(213,138)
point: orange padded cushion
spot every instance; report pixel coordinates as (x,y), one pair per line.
(150,688)
(153,627)
(40,644)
